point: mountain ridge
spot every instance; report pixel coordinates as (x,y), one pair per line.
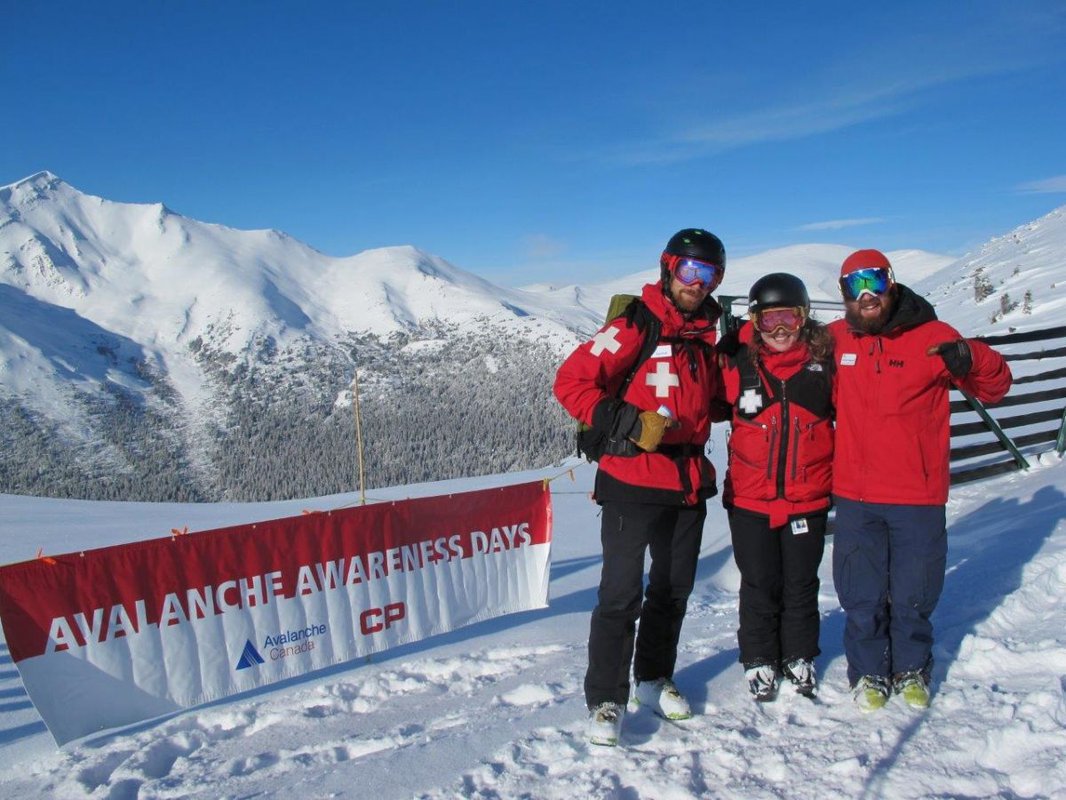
(137,341)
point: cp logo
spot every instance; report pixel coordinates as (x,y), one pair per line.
(378,619)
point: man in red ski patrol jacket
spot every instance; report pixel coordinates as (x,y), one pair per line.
(895,363)
(653,479)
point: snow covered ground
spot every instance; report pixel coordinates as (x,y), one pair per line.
(495,710)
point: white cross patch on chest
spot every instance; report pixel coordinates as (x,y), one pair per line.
(662,379)
(750,401)
(605,340)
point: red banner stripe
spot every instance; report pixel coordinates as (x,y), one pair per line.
(115,591)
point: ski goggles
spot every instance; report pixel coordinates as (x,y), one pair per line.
(872,280)
(691,270)
(788,319)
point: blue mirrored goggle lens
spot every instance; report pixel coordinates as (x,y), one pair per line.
(874,280)
(689,271)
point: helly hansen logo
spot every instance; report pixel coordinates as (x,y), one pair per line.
(895,362)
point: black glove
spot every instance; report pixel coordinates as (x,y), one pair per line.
(721,410)
(616,418)
(728,344)
(956,356)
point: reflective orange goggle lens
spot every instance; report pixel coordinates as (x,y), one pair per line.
(769,320)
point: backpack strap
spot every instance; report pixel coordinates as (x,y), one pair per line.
(637,314)
(593,442)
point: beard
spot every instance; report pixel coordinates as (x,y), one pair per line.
(871,325)
(688,303)
(686,299)
(866,323)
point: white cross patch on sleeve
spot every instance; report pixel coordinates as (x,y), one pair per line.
(605,340)
(662,379)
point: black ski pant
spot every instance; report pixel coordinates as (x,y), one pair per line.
(778,586)
(673,535)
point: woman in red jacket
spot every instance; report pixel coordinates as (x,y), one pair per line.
(778,481)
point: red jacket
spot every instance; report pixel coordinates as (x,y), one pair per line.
(781,444)
(893,429)
(681,374)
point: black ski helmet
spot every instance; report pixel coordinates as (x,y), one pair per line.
(778,290)
(692,243)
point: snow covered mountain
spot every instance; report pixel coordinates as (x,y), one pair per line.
(160,279)
(1013,283)
(498,705)
(146,355)
(111,309)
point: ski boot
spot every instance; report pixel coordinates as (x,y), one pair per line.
(662,697)
(762,682)
(871,693)
(804,678)
(605,724)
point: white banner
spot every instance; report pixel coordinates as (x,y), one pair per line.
(113,636)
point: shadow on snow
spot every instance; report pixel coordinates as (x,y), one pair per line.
(988,550)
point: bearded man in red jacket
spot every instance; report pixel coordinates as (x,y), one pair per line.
(895,363)
(653,478)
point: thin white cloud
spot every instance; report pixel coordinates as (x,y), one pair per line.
(540,246)
(770,124)
(1046,186)
(856,88)
(791,122)
(838,224)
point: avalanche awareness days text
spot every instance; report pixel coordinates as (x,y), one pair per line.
(131,617)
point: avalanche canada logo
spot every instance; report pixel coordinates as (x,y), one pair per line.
(250,657)
(297,642)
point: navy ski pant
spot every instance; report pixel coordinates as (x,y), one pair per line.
(888,567)
(778,587)
(673,535)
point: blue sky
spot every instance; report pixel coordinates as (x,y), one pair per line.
(550,141)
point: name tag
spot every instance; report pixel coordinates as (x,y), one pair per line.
(799,526)
(848,359)
(662,351)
